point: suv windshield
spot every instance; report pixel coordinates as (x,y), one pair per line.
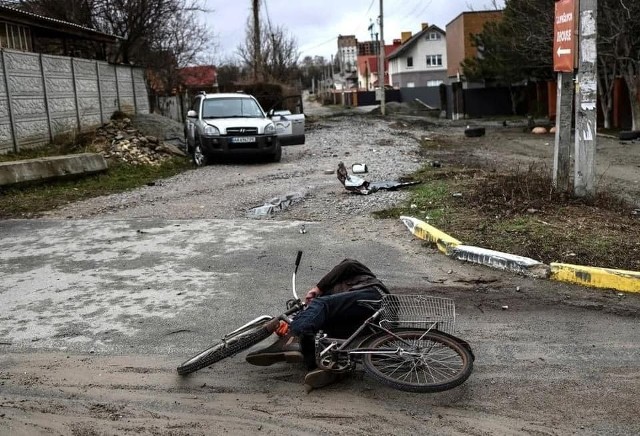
(230,108)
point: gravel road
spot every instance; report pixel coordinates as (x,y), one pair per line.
(233,188)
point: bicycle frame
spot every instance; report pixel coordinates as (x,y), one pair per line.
(368,323)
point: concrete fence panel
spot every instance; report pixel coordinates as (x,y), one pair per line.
(6,132)
(108,89)
(25,88)
(59,95)
(43,96)
(125,89)
(140,91)
(87,95)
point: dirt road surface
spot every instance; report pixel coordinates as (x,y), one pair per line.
(103,299)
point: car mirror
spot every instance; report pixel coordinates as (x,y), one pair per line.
(192,114)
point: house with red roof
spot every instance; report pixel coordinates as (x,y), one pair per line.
(198,78)
(367,67)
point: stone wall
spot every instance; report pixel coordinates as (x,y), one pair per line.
(43,96)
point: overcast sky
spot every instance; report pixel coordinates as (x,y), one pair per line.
(316,24)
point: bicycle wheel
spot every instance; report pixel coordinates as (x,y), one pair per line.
(427,362)
(224,349)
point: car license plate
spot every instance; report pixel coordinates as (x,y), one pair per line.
(243,139)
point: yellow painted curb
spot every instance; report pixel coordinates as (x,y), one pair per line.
(429,233)
(619,280)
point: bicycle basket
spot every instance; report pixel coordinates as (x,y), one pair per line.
(418,311)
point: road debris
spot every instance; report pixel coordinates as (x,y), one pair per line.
(359,168)
(275,205)
(361,186)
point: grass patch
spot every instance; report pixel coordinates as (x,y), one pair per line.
(520,212)
(63,144)
(31,200)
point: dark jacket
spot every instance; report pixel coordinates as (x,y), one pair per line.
(349,275)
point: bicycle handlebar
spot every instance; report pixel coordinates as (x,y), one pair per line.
(293,278)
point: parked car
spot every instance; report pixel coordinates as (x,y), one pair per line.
(229,124)
(288,116)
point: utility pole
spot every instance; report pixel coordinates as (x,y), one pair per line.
(562,150)
(564,50)
(586,102)
(256,39)
(381,80)
(332,72)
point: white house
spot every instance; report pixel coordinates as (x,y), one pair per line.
(421,60)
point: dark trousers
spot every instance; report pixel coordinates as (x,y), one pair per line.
(338,315)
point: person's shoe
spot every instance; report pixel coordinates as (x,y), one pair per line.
(319,378)
(284,349)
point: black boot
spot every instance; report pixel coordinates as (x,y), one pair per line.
(285,349)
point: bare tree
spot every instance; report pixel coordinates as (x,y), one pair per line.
(142,24)
(625,34)
(278,53)
(185,41)
(608,63)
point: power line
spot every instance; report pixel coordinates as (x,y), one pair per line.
(266,11)
(319,45)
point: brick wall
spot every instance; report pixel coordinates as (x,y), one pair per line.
(459,42)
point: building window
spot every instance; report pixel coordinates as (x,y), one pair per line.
(15,37)
(411,85)
(434,60)
(434,82)
(433,36)
(410,62)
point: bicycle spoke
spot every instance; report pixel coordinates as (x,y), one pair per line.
(432,363)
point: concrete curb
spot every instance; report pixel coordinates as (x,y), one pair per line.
(619,280)
(499,260)
(50,167)
(429,233)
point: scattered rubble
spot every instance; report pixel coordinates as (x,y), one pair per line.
(119,140)
(275,205)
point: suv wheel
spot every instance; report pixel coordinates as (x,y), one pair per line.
(200,159)
(277,155)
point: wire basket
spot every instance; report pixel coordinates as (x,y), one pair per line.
(418,311)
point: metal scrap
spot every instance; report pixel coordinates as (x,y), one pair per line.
(361,186)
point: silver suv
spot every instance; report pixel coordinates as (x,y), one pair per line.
(221,124)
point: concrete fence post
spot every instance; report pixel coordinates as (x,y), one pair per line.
(115,71)
(16,147)
(99,92)
(46,97)
(133,88)
(75,94)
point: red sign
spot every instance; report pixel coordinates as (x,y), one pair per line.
(564,36)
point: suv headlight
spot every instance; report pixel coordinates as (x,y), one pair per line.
(269,129)
(211,131)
